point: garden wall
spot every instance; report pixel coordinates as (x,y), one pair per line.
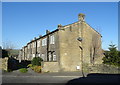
(102,68)
(4,64)
(50,67)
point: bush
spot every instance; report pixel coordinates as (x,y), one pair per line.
(37,61)
(30,65)
(37,69)
(23,70)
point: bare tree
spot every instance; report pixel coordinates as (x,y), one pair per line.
(8,46)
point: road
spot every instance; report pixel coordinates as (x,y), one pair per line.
(32,77)
(37,79)
(60,78)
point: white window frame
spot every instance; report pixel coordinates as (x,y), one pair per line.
(52,39)
(33,55)
(50,57)
(54,57)
(43,56)
(44,42)
(28,46)
(38,43)
(34,44)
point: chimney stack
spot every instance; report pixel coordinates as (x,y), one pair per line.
(81,17)
(40,36)
(59,26)
(35,38)
(47,31)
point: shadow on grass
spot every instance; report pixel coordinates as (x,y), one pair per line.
(96,79)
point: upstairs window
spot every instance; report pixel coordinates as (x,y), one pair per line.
(34,44)
(44,42)
(38,43)
(28,46)
(52,39)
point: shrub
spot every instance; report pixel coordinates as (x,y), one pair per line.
(37,61)
(37,69)
(23,70)
(30,65)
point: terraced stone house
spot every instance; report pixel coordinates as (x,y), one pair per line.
(67,48)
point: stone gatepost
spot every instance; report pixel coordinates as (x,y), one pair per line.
(4,63)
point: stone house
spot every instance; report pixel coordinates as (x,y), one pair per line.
(66,48)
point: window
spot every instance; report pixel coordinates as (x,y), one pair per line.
(28,46)
(33,55)
(50,57)
(52,39)
(43,56)
(34,44)
(44,42)
(38,43)
(39,54)
(54,58)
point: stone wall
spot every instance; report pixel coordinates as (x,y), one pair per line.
(50,67)
(4,64)
(91,41)
(70,53)
(73,52)
(102,68)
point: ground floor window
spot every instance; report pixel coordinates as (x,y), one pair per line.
(54,57)
(50,57)
(33,55)
(43,57)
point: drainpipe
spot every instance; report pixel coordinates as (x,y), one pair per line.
(24,53)
(35,46)
(36,49)
(81,18)
(47,32)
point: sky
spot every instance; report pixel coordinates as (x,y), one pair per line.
(22,21)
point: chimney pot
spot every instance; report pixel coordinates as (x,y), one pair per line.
(47,31)
(81,17)
(40,36)
(59,26)
(34,38)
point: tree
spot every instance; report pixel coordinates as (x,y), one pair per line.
(9,46)
(112,56)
